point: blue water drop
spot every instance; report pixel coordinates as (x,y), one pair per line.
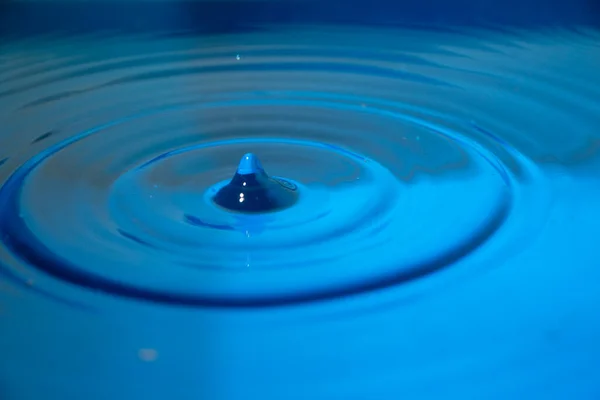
(251,190)
(250,164)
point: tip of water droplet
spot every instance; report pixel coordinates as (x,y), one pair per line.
(249,164)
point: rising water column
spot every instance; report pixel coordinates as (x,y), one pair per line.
(252,190)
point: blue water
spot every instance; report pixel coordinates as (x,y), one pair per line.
(444,239)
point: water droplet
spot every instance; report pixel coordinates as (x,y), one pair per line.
(251,190)
(250,164)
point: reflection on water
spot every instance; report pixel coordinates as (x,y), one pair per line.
(443,242)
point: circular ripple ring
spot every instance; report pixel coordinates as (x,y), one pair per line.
(159,237)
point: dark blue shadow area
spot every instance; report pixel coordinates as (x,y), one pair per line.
(31,18)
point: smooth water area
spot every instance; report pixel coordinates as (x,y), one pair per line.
(441,241)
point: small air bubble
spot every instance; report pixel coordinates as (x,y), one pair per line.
(148,355)
(237,57)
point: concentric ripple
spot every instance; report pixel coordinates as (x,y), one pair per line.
(399,172)
(153,232)
(444,241)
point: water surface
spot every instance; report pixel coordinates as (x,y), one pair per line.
(443,244)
